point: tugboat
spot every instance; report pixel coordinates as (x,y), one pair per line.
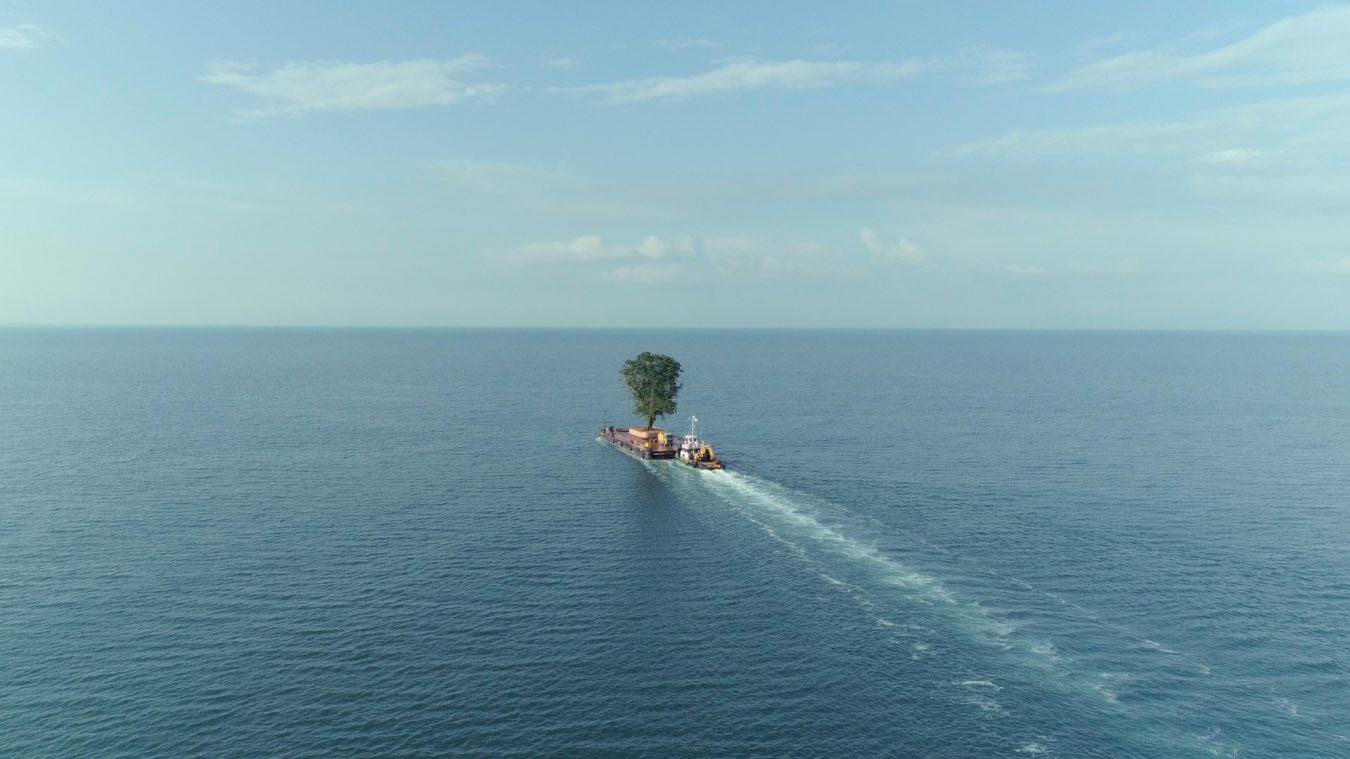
(694,452)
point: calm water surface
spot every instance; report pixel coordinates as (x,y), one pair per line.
(357,542)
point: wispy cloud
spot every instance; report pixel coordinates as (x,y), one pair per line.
(901,250)
(593,249)
(688,257)
(1290,155)
(1312,47)
(747,75)
(22,38)
(651,259)
(297,89)
(687,43)
(1116,141)
(562,62)
(1231,156)
(1305,132)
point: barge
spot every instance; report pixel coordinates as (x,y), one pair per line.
(640,443)
(656,444)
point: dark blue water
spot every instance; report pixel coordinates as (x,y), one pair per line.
(245,543)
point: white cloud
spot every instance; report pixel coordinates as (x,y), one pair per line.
(22,38)
(562,62)
(1302,131)
(655,258)
(1312,47)
(593,249)
(1113,140)
(586,248)
(686,43)
(581,249)
(648,261)
(976,65)
(746,75)
(296,89)
(901,251)
(1231,156)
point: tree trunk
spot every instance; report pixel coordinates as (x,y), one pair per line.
(651,419)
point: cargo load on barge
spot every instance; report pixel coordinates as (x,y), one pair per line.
(640,443)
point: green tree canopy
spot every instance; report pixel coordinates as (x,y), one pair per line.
(655,381)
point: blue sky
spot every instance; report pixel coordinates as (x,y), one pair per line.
(1067,165)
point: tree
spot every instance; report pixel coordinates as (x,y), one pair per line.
(655,381)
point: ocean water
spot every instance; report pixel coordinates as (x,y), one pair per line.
(409,542)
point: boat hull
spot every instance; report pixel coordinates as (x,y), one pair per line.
(707,466)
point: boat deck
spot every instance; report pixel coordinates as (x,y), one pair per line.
(636,447)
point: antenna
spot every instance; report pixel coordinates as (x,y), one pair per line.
(693,426)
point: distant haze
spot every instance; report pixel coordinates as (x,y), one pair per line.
(954,164)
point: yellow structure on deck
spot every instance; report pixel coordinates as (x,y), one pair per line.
(648,438)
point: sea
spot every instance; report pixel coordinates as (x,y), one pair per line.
(390,542)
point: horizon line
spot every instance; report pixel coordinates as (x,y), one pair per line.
(667,328)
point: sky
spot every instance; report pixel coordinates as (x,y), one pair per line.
(1058,165)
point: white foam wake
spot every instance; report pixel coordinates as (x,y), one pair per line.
(794,519)
(788,507)
(824,535)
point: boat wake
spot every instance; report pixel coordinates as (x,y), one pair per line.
(826,535)
(790,507)
(837,543)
